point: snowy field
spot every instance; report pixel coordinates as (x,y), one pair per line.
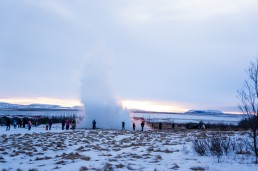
(185,117)
(38,149)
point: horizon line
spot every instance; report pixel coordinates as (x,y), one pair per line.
(145,105)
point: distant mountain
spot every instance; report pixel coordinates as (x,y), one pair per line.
(8,106)
(193,112)
(204,112)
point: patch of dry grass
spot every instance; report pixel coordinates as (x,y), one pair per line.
(197,168)
(175,167)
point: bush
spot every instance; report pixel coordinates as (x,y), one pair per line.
(199,146)
(218,145)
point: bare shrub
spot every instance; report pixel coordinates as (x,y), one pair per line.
(33,169)
(61,162)
(200,146)
(83,168)
(175,167)
(158,157)
(108,166)
(243,146)
(226,144)
(197,168)
(120,166)
(85,158)
(215,145)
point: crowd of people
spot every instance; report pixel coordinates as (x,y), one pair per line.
(20,123)
(27,123)
(67,124)
(123,125)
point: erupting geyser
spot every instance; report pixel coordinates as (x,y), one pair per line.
(98,98)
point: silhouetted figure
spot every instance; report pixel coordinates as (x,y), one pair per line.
(14,124)
(63,124)
(123,125)
(160,125)
(67,124)
(29,124)
(50,123)
(23,122)
(173,125)
(8,124)
(94,124)
(73,124)
(200,125)
(19,123)
(133,126)
(142,125)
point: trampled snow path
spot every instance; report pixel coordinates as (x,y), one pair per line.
(106,150)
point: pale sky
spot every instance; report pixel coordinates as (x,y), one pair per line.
(189,54)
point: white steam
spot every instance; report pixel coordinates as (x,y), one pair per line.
(97,95)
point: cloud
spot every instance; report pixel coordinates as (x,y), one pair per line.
(57,7)
(167,50)
(153,12)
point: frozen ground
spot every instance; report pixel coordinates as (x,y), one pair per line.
(39,149)
(187,117)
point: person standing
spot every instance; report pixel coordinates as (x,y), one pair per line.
(173,125)
(63,124)
(123,125)
(23,122)
(142,125)
(67,124)
(73,124)
(94,124)
(160,126)
(29,124)
(14,124)
(134,126)
(8,124)
(19,123)
(50,124)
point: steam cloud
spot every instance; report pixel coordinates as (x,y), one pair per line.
(97,95)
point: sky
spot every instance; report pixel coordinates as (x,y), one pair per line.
(169,55)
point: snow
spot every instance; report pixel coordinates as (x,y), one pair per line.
(188,117)
(205,111)
(105,149)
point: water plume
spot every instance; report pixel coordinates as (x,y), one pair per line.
(97,95)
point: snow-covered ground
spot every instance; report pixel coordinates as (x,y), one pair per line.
(188,117)
(21,149)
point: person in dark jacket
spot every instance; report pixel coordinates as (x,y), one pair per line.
(67,124)
(94,124)
(142,125)
(160,125)
(19,123)
(63,124)
(123,125)
(73,124)
(29,125)
(50,124)
(24,121)
(173,125)
(8,124)
(133,126)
